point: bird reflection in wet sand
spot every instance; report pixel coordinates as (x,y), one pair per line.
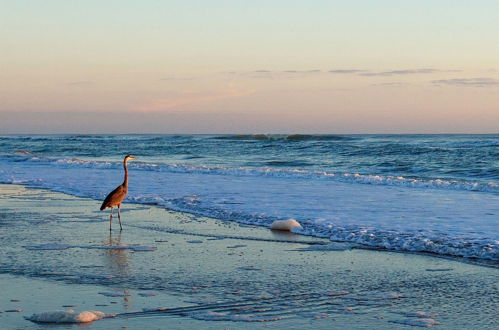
(117,263)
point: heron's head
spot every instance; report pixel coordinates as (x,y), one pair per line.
(127,157)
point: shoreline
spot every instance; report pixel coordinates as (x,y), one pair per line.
(315,239)
(344,202)
(296,280)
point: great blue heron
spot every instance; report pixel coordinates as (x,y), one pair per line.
(117,196)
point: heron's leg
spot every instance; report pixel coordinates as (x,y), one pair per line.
(110,219)
(119,216)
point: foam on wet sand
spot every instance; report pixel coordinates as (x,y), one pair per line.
(69,316)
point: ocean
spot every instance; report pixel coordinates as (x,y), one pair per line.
(422,193)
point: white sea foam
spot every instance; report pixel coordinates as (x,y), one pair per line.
(69,316)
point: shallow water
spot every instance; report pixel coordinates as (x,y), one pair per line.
(433,193)
(230,274)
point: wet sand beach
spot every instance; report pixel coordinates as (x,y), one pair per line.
(171,270)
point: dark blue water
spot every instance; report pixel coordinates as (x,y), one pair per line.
(450,157)
(433,193)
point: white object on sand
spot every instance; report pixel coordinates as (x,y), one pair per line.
(69,316)
(286,225)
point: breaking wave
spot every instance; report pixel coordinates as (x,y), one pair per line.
(284,137)
(371,179)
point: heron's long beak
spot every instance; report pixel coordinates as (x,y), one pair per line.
(131,157)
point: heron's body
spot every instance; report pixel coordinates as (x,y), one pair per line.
(116,197)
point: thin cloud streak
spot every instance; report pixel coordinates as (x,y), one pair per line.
(392,84)
(302,71)
(359,72)
(471,82)
(406,72)
(400,72)
(347,71)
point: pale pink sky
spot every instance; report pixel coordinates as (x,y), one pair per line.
(268,66)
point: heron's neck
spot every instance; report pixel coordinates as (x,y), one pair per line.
(125,181)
